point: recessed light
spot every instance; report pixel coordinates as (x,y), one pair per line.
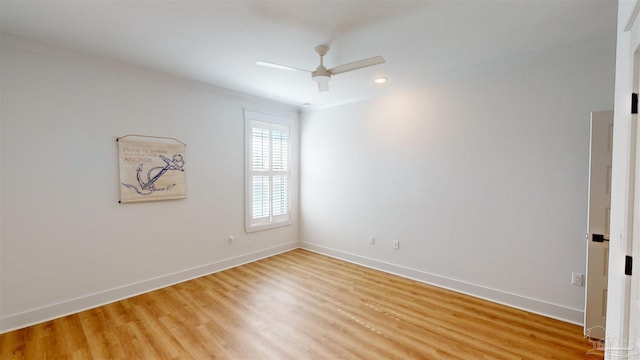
(380,80)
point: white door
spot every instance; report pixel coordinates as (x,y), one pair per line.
(598,223)
(623,319)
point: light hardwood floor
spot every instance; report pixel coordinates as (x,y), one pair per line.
(300,305)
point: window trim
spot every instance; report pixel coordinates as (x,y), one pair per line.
(271,122)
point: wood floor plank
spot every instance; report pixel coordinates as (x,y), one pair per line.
(300,305)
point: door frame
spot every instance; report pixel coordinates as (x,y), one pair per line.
(624,184)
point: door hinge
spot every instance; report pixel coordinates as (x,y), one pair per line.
(634,103)
(628,263)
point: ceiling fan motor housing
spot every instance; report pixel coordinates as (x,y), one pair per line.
(321,74)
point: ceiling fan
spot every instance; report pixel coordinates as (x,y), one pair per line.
(321,74)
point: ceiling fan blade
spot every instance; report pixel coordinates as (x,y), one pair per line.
(357,65)
(281,67)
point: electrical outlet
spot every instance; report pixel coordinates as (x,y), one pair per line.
(577,279)
(396,244)
(372,240)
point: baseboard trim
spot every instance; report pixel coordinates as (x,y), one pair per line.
(535,306)
(54,311)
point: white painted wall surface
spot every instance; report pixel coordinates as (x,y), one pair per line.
(482,176)
(66,243)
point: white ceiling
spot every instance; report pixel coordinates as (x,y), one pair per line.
(218,42)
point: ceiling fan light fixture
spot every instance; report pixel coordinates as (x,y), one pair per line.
(322,77)
(323,81)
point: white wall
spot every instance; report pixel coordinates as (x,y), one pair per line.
(66,243)
(482,176)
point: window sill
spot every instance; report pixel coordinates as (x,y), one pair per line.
(261,227)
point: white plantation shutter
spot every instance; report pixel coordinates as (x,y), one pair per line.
(260,149)
(260,173)
(280,145)
(279,198)
(260,198)
(268,184)
(280,171)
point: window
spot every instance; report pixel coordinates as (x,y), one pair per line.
(267,180)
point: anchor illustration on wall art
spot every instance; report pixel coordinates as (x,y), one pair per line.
(155,173)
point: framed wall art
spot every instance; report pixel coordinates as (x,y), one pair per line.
(151,168)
